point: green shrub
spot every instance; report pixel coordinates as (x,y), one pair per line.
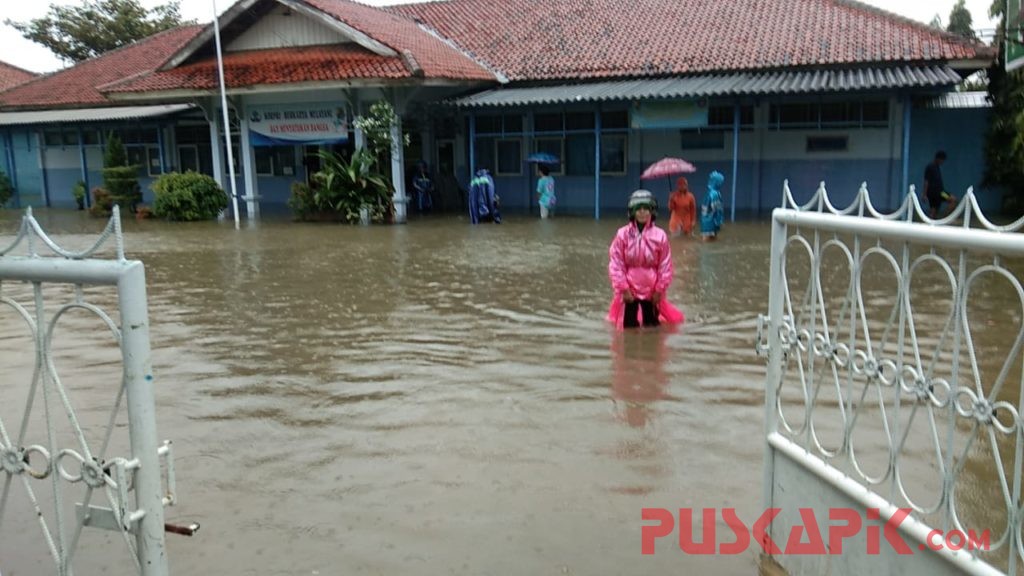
(120,180)
(78,193)
(188,197)
(6,189)
(341,188)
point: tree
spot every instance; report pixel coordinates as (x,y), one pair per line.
(936,22)
(76,33)
(960,21)
(1004,142)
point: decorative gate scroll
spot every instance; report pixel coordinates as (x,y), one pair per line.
(126,494)
(840,358)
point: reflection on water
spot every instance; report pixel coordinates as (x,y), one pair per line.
(432,398)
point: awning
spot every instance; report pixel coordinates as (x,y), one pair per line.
(79,115)
(725,84)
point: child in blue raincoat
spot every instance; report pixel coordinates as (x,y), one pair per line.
(711,211)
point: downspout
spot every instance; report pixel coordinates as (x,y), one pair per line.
(735,158)
(42,168)
(906,149)
(472,146)
(85,164)
(597,163)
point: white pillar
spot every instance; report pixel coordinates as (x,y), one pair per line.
(357,112)
(398,171)
(252,205)
(217,148)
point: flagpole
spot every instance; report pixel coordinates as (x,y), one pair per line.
(224,108)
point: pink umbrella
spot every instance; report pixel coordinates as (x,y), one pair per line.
(667,167)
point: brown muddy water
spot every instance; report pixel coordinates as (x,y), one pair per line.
(433,398)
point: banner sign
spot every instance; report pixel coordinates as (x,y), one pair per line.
(289,124)
(669,114)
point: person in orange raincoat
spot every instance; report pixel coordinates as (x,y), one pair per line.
(683,209)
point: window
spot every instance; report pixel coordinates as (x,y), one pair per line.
(827,143)
(615,120)
(875,114)
(825,115)
(499,124)
(553,146)
(145,158)
(579,121)
(510,157)
(579,157)
(484,153)
(613,154)
(723,116)
(548,122)
(51,138)
(188,158)
(91,137)
(488,124)
(275,160)
(153,164)
(702,139)
(69,138)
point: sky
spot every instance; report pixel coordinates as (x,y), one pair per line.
(25,54)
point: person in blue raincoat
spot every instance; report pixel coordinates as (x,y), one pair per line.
(423,187)
(711,211)
(483,202)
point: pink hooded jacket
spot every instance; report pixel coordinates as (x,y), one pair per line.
(641,262)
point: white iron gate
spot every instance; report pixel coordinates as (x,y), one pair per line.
(884,391)
(34,467)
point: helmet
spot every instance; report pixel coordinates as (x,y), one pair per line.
(642,198)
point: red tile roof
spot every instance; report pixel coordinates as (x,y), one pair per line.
(76,86)
(576,39)
(437,58)
(11,76)
(271,66)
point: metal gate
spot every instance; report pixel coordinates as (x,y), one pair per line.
(887,412)
(126,494)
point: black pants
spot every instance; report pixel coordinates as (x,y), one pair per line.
(647,308)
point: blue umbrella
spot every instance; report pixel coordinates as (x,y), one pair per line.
(542,158)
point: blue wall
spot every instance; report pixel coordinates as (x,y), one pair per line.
(961,133)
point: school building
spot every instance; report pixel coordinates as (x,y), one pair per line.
(760,90)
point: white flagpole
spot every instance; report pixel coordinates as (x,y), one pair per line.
(224,107)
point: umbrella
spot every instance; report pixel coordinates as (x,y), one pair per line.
(542,158)
(666,167)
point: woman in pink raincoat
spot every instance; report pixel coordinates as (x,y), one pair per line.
(640,268)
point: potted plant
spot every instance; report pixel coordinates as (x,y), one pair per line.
(78,192)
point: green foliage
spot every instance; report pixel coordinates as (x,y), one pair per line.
(120,181)
(76,33)
(1004,143)
(6,189)
(341,188)
(78,192)
(376,126)
(188,197)
(960,22)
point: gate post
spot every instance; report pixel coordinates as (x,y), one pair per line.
(138,376)
(776,293)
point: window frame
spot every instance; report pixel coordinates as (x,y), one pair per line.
(625,153)
(497,157)
(561,156)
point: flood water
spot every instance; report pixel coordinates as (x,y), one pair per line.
(433,398)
